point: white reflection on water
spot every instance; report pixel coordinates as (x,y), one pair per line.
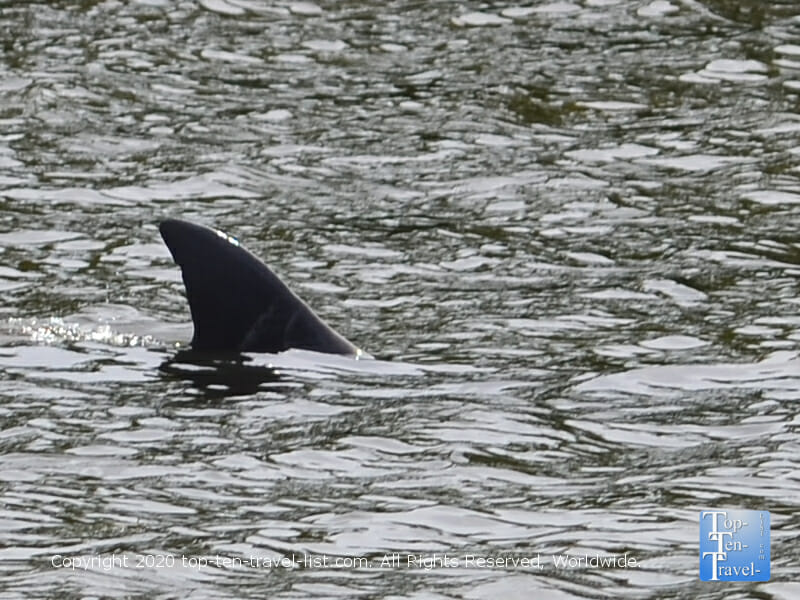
(779,371)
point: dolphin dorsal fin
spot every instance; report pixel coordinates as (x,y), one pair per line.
(237,303)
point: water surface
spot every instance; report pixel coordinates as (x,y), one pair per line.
(566,230)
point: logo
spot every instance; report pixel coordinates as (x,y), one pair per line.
(734,545)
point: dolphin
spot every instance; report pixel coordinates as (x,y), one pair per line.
(237,303)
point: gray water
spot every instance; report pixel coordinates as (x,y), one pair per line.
(567,231)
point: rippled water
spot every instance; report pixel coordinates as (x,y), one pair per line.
(566,230)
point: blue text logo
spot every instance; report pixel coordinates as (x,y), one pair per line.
(734,545)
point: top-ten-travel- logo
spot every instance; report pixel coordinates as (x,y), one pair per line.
(734,545)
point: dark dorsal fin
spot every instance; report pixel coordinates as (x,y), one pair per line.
(237,303)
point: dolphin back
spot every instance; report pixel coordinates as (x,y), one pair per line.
(237,303)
